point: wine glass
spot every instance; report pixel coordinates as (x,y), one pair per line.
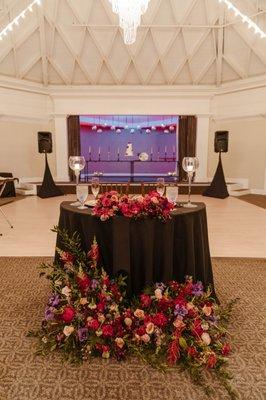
(190,165)
(82,194)
(95,186)
(172,194)
(77,164)
(160,186)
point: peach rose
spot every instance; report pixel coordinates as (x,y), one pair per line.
(158,294)
(150,328)
(128,321)
(66,291)
(119,342)
(139,313)
(83,301)
(145,338)
(179,324)
(101,318)
(207,310)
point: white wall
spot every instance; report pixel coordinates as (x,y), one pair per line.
(246,158)
(19,148)
(26,109)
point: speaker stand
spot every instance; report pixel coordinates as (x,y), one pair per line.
(218,187)
(48,188)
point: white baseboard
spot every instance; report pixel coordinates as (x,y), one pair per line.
(258,191)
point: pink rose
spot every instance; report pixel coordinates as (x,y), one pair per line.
(207,310)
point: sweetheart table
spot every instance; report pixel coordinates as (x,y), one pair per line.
(146,250)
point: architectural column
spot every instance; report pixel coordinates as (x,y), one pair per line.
(61,146)
(202,148)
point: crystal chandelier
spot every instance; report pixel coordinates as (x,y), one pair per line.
(130,12)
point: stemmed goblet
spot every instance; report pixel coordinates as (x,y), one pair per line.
(190,165)
(76,164)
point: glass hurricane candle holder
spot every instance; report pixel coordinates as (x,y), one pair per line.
(76,164)
(190,165)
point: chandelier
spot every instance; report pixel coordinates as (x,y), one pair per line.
(129,12)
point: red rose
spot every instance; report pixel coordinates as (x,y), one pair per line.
(107,330)
(83,282)
(226,349)
(192,351)
(101,306)
(174,285)
(141,331)
(160,319)
(212,360)
(66,257)
(164,304)
(145,300)
(93,324)
(68,314)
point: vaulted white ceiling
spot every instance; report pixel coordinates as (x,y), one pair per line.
(180,42)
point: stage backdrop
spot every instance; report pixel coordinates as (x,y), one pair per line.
(106,138)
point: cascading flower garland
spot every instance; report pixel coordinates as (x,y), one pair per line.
(88,315)
(151,205)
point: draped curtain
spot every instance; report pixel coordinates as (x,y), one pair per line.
(73,128)
(187,137)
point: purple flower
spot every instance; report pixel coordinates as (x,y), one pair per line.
(49,314)
(54,300)
(197,289)
(180,310)
(83,334)
(94,284)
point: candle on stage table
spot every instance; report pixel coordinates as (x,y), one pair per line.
(90,152)
(165,152)
(173,152)
(108,154)
(158,154)
(99,153)
(151,153)
(118,154)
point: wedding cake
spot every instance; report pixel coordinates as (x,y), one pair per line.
(129,150)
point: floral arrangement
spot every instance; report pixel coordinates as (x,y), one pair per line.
(151,205)
(88,315)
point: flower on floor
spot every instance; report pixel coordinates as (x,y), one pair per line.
(152,205)
(88,315)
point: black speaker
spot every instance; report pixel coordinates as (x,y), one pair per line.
(221,142)
(45,143)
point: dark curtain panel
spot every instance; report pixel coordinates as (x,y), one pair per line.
(187,136)
(73,128)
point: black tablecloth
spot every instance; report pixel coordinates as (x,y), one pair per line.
(10,187)
(147,250)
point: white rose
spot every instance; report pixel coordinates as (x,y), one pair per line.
(66,291)
(206,338)
(68,329)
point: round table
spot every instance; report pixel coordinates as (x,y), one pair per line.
(147,250)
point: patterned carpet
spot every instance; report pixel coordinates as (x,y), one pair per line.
(26,377)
